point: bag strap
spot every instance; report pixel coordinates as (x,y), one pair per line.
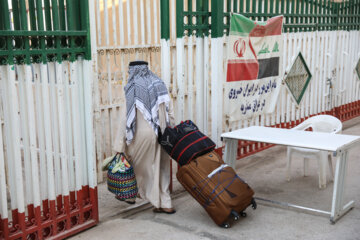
(159,135)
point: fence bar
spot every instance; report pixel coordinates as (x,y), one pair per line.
(15,122)
(121,23)
(61,72)
(25,136)
(142,22)
(8,137)
(3,197)
(32,139)
(128,18)
(98,22)
(106,22)
(148,22)
(155,22)
(75,121)
(62,15)
(190,72)
(82,119)
(206,84)
(3,194)
(32,14)
(69,128)
(114,25)
(88,112)
(47,15)
(48,140)
(135,22)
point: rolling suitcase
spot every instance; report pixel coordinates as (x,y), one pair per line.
(216,186)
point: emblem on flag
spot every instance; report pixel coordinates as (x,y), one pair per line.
(240,47)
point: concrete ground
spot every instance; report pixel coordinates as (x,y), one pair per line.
(266,174)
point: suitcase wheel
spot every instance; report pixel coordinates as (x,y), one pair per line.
(253,204)
(225,225)
(235,215)
(243,214)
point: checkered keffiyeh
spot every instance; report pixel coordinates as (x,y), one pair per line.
(144,91)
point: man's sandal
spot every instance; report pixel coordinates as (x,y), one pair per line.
(164,210)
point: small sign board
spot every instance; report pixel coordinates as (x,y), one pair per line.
(297,78)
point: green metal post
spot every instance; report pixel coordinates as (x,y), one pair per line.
(316,18)
(34,40)
(346,16)
(303,14)
(353,15)
(70,23)
(55,15)
(228,6)
(282,11)
(328,14)
(312,13)
(277,7)
(236,6)
(76,11)
(358,15)
(32,15)
(16,14)
(205,17)
(165,19)
(287,14)
(272,10)
(253,8)
(180,18)
(241,6)
(62,14)
(293,15)
(40,21)
(217,16)
(247,6)
(265,10)
(24,27)
(199,19)
(190,15)
(322,13)
(307,13)
(2,27)
(47,15)
(6,18)
(85,25)
(260,9)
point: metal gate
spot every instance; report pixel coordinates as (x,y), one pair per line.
(47,165)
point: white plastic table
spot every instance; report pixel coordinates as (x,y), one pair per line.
(339,144)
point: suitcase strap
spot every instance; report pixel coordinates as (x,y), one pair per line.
(212,196)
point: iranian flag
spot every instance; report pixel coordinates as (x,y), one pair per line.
(253,66)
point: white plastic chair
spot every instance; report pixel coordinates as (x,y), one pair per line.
(320,123)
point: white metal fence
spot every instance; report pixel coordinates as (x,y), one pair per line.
(330,55)
(44,142)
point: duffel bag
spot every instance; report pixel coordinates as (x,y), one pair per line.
(185,142)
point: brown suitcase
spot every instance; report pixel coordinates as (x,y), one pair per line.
(217,187)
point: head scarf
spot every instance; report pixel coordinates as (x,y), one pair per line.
(144,91)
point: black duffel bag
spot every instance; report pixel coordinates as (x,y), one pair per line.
(185,142)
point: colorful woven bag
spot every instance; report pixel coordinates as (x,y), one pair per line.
(121,178)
